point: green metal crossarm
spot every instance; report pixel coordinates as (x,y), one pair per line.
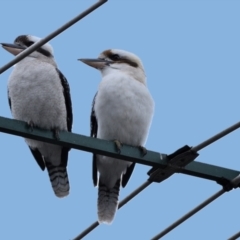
(208,171)
(80,142)
(107,148)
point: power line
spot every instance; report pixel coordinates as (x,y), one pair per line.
(216,137)
(162,174)
(134,193)
(235,236)
(189,214)
(128,153)
(51,35)
(107,148)
(181,161)
(122,203)
(167,163)
(233,184)
(182,158)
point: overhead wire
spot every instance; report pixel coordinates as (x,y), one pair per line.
(147,183)
(228,186)
(235,236)
(121,204)
(38,44)
(189,214)
(216,137)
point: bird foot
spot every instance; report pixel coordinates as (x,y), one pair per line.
(143,150)
(56,134)
(118,145)
(30,125)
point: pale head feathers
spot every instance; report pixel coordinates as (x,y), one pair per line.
(124,61)
(121,56)
(28,40)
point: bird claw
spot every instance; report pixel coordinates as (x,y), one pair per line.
(30,125)
(118,145)
(56,134)
(143,150)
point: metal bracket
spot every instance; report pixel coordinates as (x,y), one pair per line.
(228,185)
(176,160)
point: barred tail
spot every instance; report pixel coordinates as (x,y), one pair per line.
(107,202)
(59,179)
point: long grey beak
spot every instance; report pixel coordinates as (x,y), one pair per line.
(13,48)
(96,63)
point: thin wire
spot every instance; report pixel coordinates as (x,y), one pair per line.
(216,137)
(38,44)
(235,236)
(122,203)
(87,231)
(51,36)
(189,214)
(147,183)
(134,193)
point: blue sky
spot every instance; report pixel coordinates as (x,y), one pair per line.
(191,54)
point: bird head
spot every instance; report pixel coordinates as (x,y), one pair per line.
(24,41)
(115,60)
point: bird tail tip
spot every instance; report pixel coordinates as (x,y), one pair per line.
(59,180)
(107,202)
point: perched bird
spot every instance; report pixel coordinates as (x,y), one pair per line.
(39,94)
(122,111)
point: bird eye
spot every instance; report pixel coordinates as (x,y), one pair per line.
(29,43)
(115,57)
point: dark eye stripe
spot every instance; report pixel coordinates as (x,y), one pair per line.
(44,52)
(129,62)
(112,56)
(40,50)
(28,43)
(24,40)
